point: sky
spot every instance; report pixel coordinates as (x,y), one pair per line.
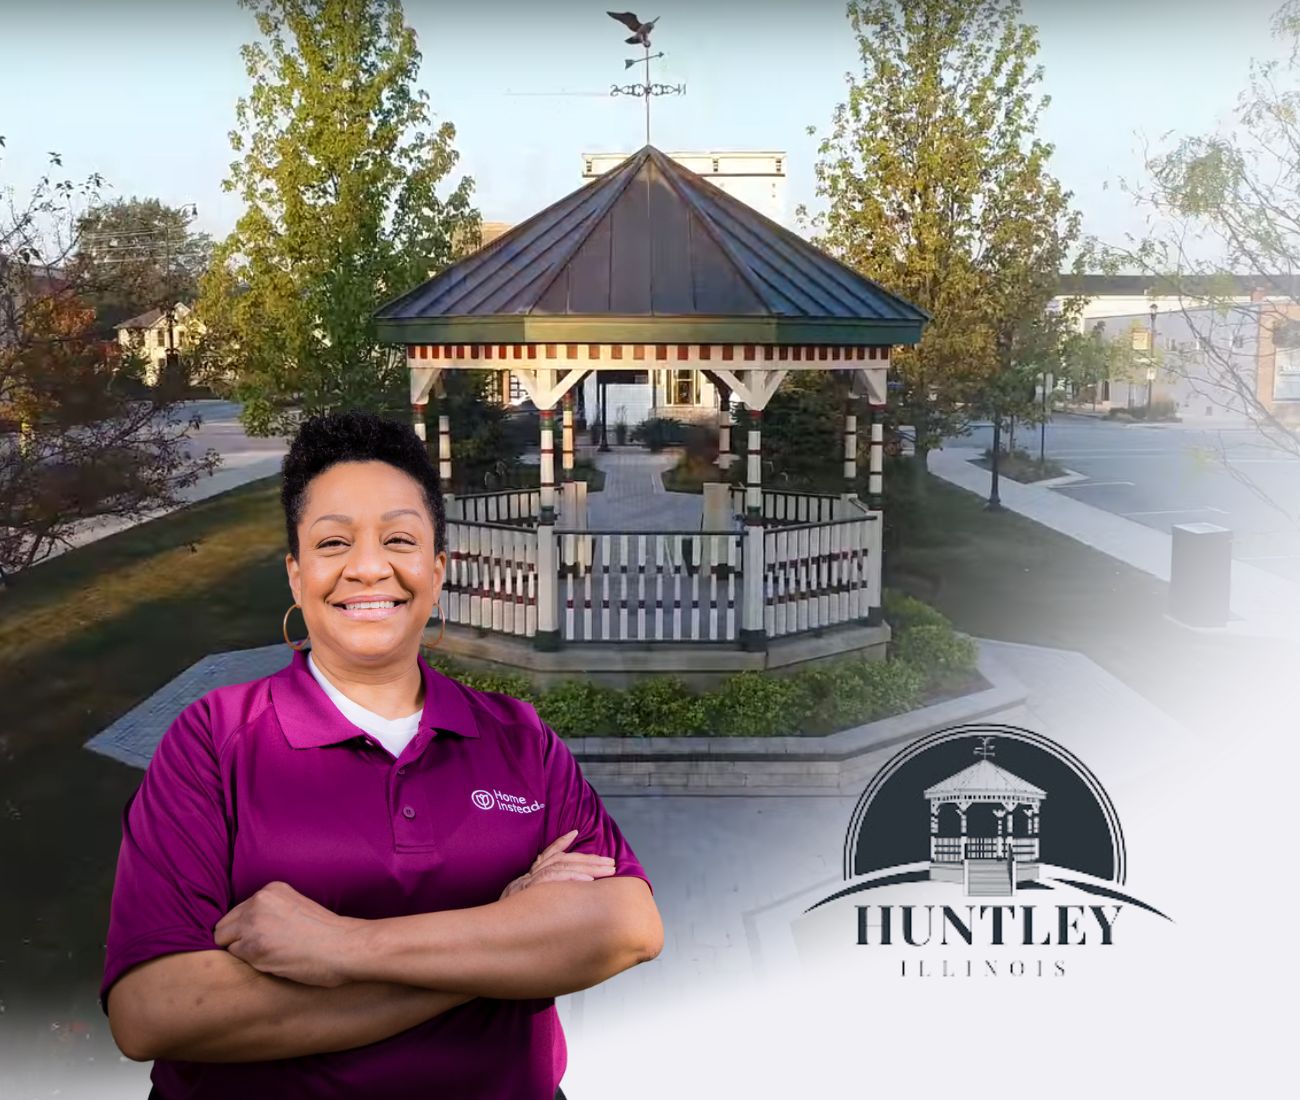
(144,91)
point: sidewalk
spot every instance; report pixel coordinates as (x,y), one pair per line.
(1263,605)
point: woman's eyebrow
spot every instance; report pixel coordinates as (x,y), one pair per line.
(348,519)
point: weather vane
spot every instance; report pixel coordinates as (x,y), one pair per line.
(985,748)
(641,37)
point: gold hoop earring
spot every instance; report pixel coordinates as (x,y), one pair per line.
(297,646)
(442,626)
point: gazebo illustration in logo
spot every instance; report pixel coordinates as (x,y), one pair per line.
(984,827)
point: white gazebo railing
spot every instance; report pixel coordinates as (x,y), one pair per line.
(642,586)
(817,575)
(492,580)
(509,574)
(503,506)
(791,506)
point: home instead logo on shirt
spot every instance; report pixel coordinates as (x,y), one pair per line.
(511,803)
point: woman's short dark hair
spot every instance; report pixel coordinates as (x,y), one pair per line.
(328,438)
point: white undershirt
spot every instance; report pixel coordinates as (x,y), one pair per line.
(393,733)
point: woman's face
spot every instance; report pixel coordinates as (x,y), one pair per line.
(365,531)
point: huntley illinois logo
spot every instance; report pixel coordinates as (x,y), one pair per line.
(981,850)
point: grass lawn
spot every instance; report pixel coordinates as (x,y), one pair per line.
(83,638)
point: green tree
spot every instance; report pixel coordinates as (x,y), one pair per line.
(142,254)
(1085,363)
(341,171)
(935,128)
(1027,230)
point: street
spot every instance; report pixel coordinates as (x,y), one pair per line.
(1164,475)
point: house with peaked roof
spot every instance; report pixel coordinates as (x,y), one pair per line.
(148,333)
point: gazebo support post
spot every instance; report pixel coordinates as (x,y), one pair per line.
(875,496)
(850,447)
(548,633)
(567,401)
(876,469)
(753,634)
(444,450)
(724,425)
(426,381)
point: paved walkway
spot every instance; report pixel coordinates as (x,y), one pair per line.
(634,497)
(1264,605)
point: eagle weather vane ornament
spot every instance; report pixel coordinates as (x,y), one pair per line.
(641,37)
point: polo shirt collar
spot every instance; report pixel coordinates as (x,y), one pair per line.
(310,719)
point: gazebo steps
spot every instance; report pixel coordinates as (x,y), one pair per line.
(988,878)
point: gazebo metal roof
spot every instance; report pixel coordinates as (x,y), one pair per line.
(984,781)
(650,252)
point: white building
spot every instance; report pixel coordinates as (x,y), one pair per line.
(148,334)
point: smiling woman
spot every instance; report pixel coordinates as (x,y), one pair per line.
(357,876)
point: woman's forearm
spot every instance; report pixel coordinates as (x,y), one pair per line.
(208,1006)
(548,940)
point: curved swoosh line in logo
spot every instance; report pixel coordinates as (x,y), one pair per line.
(923,876)
(884,880)
(1106,892)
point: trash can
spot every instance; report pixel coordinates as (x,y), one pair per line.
(1200,574)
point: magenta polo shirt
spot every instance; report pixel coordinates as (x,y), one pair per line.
(267,781)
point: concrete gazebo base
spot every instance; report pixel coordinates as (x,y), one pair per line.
(700,665)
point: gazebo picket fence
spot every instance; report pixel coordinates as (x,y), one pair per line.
(660,586)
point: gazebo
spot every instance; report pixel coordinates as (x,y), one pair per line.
(650,267)
(980,849)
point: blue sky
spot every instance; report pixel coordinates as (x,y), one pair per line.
(144,91)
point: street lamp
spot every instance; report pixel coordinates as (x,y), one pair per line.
(1151,358)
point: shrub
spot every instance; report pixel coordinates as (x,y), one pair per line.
(850,692)
(754,704)
(940,653)
(700,444)
(658,432)
(903,612)
(662,707)
(576,708)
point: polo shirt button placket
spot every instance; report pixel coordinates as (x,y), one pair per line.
(408,812)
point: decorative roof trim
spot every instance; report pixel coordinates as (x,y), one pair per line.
(532,329)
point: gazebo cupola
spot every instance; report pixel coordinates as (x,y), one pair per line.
(650,266)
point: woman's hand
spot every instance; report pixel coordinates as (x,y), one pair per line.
(554,864)
(280,932)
